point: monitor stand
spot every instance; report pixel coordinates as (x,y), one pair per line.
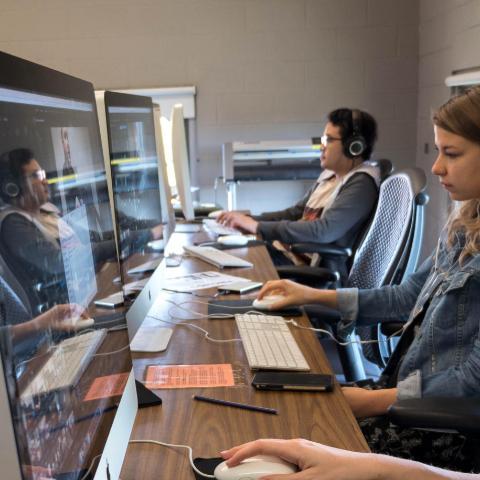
(146,398)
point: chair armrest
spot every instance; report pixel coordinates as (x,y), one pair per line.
(439,413)
(312,274)
(321,248)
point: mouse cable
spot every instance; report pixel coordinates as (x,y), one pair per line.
(343,344)
(211,315)
(187,447)
(212,297)
(205,333)
(91,466)
(199,315)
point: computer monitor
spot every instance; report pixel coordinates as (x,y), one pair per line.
(168,214)
(180,162)
(56,239)
(141,227)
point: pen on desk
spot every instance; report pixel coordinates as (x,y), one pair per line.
(227,403)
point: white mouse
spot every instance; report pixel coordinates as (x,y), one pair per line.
(266,302)
(253,468)
(215,213)
(233,240)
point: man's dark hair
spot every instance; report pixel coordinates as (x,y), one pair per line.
(11,168)
(366,126)
(12,162)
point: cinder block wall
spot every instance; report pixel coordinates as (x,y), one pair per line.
(264,69)
(449,40)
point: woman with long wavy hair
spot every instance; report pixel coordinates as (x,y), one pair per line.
(439,350)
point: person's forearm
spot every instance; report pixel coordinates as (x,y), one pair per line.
(23,330)
(391,468)
(382,401)
(325,297)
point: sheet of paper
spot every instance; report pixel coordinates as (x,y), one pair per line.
(108,386)
(197,281)
(189,376)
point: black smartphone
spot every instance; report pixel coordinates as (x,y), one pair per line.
(293,381)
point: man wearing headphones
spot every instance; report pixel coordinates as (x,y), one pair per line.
(336,208)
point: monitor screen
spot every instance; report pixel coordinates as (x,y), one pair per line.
(135,184)
(65,369)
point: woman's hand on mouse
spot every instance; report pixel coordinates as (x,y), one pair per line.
(296,294)
(314,460)
(320,462)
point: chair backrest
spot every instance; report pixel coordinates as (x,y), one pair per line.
(388,242)
(6,272)
(14,284)
(391,248)
(385,166)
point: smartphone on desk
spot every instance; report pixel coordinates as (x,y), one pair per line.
(240,287)
(317,382)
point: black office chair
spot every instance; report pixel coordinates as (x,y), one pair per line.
(441,414)
(325,276)
(389,252)
(14,284)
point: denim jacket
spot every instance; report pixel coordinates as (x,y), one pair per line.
(444,358)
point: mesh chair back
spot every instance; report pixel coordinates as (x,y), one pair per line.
(389,234)
(391,247)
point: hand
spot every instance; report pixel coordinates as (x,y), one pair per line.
(315,461)
(60,317)
(238,220)
(368,403)
(293,293)
(157,232)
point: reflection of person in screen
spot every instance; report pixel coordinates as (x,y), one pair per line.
(135,234)
(15,317)
(29,230)
(20,336)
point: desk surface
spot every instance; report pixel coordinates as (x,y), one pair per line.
(207,428)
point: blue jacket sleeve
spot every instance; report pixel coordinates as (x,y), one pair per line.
(386,304)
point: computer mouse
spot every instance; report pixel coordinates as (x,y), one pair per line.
(215,213)
(253,468)
(266,301)
(233,240)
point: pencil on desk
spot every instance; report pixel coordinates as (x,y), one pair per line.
(227,403)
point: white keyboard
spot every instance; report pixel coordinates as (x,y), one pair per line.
(269,344)
(217,257)
(69,360)
(145,267)
(219,229)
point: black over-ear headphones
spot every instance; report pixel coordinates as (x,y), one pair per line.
(355,144)
(9,186)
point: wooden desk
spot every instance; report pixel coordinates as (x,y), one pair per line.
(208,429)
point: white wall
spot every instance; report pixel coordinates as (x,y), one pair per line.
(449,40)
(264,69)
